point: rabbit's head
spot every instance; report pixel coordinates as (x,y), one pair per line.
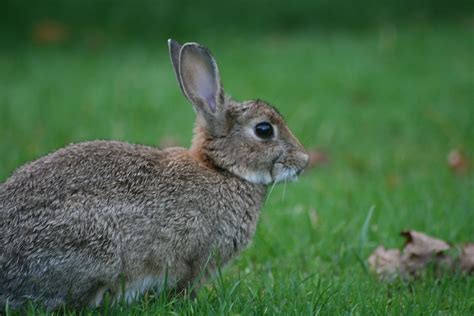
(249,139)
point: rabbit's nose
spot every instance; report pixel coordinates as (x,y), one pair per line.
(304,158)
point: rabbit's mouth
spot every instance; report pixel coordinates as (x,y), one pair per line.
(282,173)
(279,173)
(289,167)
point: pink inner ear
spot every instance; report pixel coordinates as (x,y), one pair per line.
(206,89)
(200,77)
(211,102)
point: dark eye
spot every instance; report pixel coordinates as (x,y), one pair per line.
(264,130)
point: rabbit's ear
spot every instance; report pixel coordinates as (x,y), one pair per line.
(200,78)
(174,49)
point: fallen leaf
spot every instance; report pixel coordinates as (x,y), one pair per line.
(458,161)
(421,244)
(317,157)
(421,250)
(385,262)
(48,31)
(467,258)
(392,180)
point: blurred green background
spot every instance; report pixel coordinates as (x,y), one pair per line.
(384,89)
(157,20)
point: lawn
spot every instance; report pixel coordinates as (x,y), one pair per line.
(387,105)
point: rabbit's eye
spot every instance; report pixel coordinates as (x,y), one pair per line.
(264,130)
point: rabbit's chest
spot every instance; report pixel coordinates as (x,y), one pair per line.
(235,231)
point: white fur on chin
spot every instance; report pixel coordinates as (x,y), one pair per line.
(257,177)
(263,177)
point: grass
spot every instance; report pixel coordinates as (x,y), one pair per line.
(387,105)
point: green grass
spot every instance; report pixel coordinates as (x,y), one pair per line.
(387,105)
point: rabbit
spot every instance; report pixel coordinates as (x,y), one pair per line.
(112,217)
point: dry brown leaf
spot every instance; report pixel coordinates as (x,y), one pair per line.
(392,180)
(421,250)
(467,258)
(317,157)
(47,32)
(421,244)
(458,161)
(385,262)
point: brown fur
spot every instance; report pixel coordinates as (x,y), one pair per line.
(108,216)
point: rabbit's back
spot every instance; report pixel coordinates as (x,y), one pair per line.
(92,167)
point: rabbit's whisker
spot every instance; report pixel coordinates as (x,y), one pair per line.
(269,193)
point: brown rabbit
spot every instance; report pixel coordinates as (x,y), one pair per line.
(107,216)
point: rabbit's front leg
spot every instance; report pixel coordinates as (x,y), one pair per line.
(192,280)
